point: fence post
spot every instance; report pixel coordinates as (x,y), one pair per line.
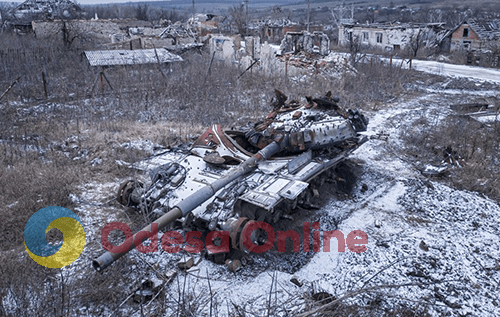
(44,80)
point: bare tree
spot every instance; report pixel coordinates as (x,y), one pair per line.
(416,41)
(435,15)
(2,13)
(460,16)
(339,13)
(73,34)
(354,48)
(494,47)
(238,17)
(142,12)
(277,12)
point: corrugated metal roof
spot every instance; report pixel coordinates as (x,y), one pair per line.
(130,57)
(487,30)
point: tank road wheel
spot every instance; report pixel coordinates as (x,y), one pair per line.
(125,191)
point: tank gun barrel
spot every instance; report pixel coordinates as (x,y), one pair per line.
(191,202)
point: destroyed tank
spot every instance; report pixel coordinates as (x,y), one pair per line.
(228,180)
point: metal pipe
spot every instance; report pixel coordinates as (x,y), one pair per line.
(191,202)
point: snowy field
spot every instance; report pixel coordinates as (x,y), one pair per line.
(429,245)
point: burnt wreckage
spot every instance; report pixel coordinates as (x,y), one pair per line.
(231,179)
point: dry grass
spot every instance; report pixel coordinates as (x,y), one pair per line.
(48,144)
(470,146)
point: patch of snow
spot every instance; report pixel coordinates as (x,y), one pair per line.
(444,243)
(143,145)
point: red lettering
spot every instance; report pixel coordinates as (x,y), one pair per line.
(305,237)
(352,241)
(143,235)
(223,247)
(247,240)
(194,245)
(283,235)
(327,235)
(125,246)
(170,238)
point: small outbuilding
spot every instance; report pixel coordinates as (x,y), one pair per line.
(131,57)
(473,35)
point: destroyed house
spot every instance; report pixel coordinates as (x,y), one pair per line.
(394,36)
(275,33)
(475,35)
(205,24)
(297,42)
(272,30)
(46,10)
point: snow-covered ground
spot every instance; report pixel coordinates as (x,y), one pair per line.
(427,243)
(479,74)
(462,71)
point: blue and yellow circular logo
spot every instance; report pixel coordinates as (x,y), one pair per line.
(46,254)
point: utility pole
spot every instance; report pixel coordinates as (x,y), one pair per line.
(246,17)
(308,14)
(193,11)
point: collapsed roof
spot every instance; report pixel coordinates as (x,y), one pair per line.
(486,29)
(46,10)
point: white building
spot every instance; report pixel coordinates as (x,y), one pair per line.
(392,37)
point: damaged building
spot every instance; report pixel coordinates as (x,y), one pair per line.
(275,31)
(476,35)
(20,18)
(115,34)
(46,10)
(394,37)
(480,40)
(312,43)
(299,53)
(206,23)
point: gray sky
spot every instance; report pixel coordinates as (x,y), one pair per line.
(109,1)
(94,1)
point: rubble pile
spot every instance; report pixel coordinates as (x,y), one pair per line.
(46,10)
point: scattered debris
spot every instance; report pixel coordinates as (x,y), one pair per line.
(46,10)
(185,263)
(233,265)
(296,281)
(434,171)
(315,43)
(423,246)
(323,297)
(145,292)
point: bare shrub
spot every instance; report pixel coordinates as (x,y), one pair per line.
(373,84)
(28,187)
(48,143)
(469,146)
(28,289)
